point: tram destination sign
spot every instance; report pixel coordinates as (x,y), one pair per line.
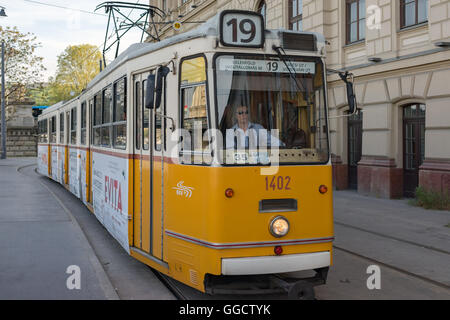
(247,65)
(241,29)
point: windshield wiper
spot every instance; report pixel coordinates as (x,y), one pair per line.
(291,74)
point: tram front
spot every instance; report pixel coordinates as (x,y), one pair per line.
(263,216)
(274,158)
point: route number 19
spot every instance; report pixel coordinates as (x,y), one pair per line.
(239,29)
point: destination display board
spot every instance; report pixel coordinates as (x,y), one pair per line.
(248,65)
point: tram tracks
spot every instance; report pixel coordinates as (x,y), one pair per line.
(393,238)
(389,265)
(168,282)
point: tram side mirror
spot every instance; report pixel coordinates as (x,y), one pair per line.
(162,74)
(150,92)
(351,98)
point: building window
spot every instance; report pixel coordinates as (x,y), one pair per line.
(296,15)
(356,20)
(261,8)
(413,12)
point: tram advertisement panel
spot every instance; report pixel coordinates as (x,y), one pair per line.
(83,175)
(61,157)
(74,180)
(43,159)
(110,195)
(55,163)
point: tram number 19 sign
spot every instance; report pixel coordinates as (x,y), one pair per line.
(241,29)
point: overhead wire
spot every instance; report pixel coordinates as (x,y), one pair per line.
(62,7)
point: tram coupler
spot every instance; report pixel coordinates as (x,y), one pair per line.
(296,288)
(301,289)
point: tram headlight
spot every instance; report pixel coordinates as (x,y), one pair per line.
(279,226)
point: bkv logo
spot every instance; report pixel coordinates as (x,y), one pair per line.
(183,190)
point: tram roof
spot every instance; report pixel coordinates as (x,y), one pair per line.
(209,28)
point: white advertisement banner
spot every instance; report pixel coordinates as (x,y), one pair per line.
(55,163)
(83,168)
(74,179)
(43,160)
(247,65)
(61,170)
(110,195)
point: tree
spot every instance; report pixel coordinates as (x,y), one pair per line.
(77,66)
(23,68)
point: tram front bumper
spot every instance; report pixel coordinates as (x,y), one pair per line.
(275,264)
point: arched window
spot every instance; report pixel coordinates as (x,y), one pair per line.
(261,8)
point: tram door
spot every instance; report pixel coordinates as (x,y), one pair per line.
(66,147)
(89,152)
(148,208)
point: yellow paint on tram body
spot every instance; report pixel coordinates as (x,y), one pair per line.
(206,214)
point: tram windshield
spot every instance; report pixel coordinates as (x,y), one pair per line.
(266,109)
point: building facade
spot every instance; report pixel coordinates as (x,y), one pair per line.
(399,53)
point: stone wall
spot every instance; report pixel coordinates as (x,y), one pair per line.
(21,142)
(21,135)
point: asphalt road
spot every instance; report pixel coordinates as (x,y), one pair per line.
(409,245)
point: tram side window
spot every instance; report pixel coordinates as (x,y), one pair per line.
(106,118)
(83,123)
(61,127)
(43,131)
(120,115)
(53,129)
(73,126)
(97,119)
(193,108)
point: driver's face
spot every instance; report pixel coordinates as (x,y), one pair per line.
(242,116)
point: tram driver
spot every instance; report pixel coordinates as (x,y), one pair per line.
(248,135)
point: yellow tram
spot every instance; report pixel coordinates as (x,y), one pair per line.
(206,155)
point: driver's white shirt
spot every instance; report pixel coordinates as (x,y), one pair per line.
(255,135)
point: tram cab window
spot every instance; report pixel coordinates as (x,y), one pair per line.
(194,110)
(83,123)
(262,106)
(61,127)
(138,114)
(73,126)
(145,118)
(120,115)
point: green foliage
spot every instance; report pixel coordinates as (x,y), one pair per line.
(23,69)
(77,66)
(432,200)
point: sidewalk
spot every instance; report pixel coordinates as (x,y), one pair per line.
(395,233)
(39,240)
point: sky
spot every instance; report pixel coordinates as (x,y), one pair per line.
(56,28)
